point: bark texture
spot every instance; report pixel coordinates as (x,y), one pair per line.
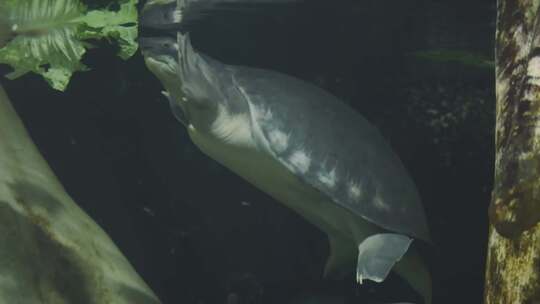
(513,264)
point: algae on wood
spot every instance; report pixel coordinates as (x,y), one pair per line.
(513,264)
(51,251)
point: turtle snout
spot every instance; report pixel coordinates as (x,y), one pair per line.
(159,46)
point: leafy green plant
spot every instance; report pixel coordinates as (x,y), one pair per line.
(49,36)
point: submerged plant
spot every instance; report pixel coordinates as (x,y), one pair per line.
(47,37)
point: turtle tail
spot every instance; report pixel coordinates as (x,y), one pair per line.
(413,269)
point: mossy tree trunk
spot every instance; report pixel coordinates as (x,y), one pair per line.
(513,264)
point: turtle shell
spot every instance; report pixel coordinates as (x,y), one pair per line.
(331,147)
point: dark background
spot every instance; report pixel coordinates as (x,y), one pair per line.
(196,232)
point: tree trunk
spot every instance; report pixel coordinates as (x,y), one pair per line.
(50,250)
(513,263)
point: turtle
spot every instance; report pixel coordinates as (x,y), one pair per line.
(304,147)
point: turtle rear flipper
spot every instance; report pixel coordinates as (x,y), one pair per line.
(378,254)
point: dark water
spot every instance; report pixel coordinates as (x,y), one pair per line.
(197,233)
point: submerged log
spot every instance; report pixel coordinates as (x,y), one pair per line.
(51,251)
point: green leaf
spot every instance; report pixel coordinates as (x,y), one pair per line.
(47,45)
(50,34)
(457,56)
(120,26)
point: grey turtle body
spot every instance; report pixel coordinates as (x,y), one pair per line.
(331,147)
(306,149)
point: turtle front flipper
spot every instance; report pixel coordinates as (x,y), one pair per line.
(176,109)
(378,254)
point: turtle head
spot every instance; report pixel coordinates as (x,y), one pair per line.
(185,74)
(161,58)
(177,67)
